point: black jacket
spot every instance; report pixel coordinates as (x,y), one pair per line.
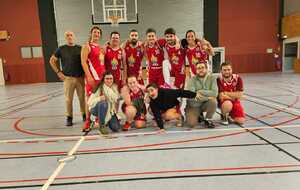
(167,99)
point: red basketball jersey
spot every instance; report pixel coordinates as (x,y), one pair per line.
(96,67)
(176,58)
(235,84)
(196,55)
(155,57)
(113,61)
(134,57)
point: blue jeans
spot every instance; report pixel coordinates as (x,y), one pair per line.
(100,110)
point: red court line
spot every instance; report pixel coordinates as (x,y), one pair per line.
(146,145)
(277,125)
(140,146)
(128,147)
(18,128)
(278,110)
(155,172)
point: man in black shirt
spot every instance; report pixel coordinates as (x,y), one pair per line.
(164,103)
(71,72)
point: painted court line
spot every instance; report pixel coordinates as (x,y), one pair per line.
(62,165)
(94,137)
(278,106)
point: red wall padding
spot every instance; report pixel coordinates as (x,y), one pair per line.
(246,30)
(21,20)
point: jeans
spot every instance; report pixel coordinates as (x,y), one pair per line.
(100,110)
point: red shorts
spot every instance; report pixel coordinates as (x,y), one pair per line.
(157,78)
(179,79)
(237,109)
(89,88)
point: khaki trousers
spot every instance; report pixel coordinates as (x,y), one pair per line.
(70,85)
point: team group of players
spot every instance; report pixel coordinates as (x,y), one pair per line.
(170,63)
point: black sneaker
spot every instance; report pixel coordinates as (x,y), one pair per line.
(69,121)
(201,118)
(209,124)
(83,117)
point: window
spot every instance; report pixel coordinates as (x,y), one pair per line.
(31,52)
(37,52)
(26,52)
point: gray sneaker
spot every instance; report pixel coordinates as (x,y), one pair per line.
(103,130)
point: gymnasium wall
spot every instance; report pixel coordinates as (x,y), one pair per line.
(21,20)
(291,7)
(291,25)
(247,29)
(181,15)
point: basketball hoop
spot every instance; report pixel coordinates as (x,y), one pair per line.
(114,20)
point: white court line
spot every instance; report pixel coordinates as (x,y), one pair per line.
(62,165)
(278,106)
(146,133)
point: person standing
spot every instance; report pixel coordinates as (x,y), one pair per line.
(134,53)
(71,73)
(92,60)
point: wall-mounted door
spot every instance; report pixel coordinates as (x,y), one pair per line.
(216,60)
(290,55)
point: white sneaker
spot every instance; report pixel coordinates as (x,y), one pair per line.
(224,119)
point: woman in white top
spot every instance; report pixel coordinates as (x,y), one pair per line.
(103,104)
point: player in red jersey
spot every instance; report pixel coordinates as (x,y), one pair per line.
(154,58)
(114,58)
(134,52)
(174,62)
(197,51)
(134,106)
(230,92)
(92,60)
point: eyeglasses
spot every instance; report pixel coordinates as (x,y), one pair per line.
(110,78)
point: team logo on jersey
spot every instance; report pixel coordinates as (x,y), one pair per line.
(131,60)
(194,60)
(174,59)
(114,64)
(154,60)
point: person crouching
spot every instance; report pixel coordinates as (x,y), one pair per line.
(103,104)
(134,106)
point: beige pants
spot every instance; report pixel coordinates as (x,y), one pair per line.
(194,109)
(70,85)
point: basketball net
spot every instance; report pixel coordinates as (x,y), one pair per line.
(114,20)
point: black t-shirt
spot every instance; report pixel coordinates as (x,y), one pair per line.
(70,60)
